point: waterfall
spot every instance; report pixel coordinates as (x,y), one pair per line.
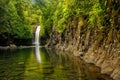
(37,35)
(37,50)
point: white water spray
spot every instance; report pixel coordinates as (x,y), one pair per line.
(37,35)
(37,51)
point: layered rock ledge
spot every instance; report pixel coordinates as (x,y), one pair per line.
(92,45)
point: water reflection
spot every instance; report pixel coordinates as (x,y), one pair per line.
(55,65)
(37,53)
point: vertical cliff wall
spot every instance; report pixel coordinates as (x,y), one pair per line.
(93,45)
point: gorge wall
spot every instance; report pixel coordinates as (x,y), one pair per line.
(93,45)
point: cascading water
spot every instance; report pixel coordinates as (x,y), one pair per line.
(37,35)
(37,51)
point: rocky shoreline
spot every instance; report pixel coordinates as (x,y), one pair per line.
(94,46)
(13,46)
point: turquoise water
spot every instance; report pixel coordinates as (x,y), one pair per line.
(45,64)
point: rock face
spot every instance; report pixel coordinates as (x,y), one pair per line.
(94,46)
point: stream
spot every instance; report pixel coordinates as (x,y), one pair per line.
(45,64)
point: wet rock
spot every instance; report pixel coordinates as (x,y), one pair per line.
(116,73)
(4,47)
(78,54)
(94,46)
(13,46)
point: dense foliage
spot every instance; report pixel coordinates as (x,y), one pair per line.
(18,18)
(100,14)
